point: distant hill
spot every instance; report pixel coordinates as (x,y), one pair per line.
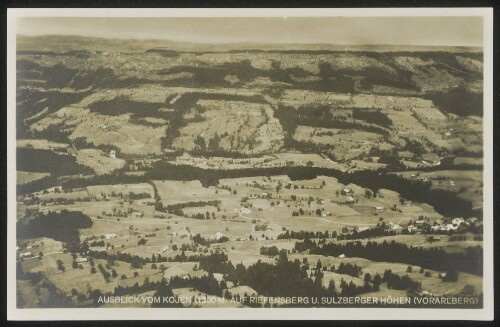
(145,97)
(59,43)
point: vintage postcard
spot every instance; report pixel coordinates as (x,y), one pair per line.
(250,164)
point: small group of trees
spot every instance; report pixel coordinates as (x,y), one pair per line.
(198,239)
(397,282)
(270,251)
(348,269)
(60,265)
(176,209)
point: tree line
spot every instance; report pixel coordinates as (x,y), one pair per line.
(471,261)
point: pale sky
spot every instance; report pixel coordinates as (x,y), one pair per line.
(434,31)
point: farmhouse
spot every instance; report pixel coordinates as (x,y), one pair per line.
(412,228)
(245,211)
(361,229)
(449,227)
(457,221)
(110,236)
(342,256)
(436,228)
(219,277)
(26,254)
(346,191)
(350,199)
(112,154)
(81,259)
(379,209)
(394,226)
(419,222)
(218,235)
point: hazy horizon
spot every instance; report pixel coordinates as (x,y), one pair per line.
(251,42)
(351,31)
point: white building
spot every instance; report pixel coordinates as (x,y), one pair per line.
(112,154)
(346,191)
(219,277)
(449,227)
(245,211)
(110,236)
(412,228)
(394,226)
(436,228)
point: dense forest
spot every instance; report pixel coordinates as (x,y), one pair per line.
(47,161)
(61,226)
(458,101)
(471,261)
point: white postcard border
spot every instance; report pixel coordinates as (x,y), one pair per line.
(486,313)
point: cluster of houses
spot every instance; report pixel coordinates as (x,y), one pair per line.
(349,193)
(421,225)
(454,225)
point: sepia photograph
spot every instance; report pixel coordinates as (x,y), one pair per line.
(250,161)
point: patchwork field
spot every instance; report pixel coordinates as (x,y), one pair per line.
(149,167)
